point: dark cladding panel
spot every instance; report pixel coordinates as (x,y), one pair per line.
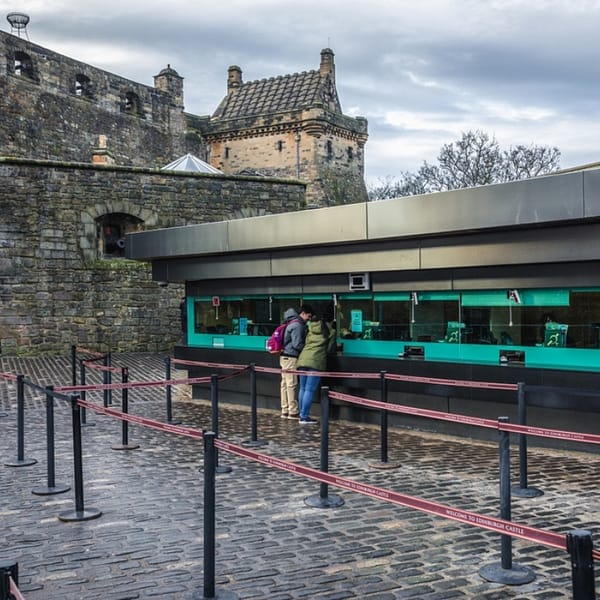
(177,241)
(532,201)
(308,227)
(591,190)
(552,244)
(352,259)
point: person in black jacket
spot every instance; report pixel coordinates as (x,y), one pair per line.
(293,342)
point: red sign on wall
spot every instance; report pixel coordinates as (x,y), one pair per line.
(216,301)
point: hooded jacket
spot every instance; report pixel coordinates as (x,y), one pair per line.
(317,347)
(295,333)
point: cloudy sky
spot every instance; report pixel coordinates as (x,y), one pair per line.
(421,71)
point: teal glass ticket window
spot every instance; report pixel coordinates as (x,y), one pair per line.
(236,321)
(557,328)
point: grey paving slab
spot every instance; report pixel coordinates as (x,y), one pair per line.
(148,542)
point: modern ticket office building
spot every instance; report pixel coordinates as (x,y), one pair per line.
(495,283)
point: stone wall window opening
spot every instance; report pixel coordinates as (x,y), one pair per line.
(226,151)
(329,148)
(23,65)
(280,146)
(350,153)
(111,230)
(83,86)
(132,103)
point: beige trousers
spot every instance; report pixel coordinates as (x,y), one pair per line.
(289,385)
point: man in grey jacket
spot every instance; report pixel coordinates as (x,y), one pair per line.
(293,342)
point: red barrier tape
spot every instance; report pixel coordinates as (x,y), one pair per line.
(572,436)
(207,364)
(513,387)
(91,352)
(274,370)
(232,375)
(14,590)
(8,376)
(420,412)
(499,525)
(91,365)
(559,434)
(470,518)
(130,385)
(111,412)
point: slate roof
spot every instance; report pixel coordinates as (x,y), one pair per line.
(191,163)
(279,94)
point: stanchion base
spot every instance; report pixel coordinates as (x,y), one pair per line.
(57,488)
(173,422)
(384,465)
(26,462)
(331,501)
(79,515)
(125,446)
(528,492)
(86,424)
(518,575)
(254,443)
(223,469)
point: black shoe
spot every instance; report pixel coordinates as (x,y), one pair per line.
(307,421)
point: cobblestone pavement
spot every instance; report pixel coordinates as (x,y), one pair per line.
(148,542)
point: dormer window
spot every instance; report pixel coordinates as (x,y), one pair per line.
(23,65)
(83,86)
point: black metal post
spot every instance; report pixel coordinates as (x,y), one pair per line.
(21,460)
(82,395)
(169,392)
(384,417)
(125,406)
(125,445)
(73,365)
(505,500)
(523,490)
(383,428)
(52,487)
(254,426)
(107,379)
(507,573)
(80,513)
(323,499)
(210,466)
(580,547)
(9,569)
(254,441)
(214,406)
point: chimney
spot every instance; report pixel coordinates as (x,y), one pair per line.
(327,68)
(102,155)
(234,78)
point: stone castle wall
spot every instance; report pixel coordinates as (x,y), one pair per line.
(47,114)
(54,289)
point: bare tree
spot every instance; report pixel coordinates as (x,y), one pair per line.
(475,159)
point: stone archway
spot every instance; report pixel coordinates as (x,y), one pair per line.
(92,215)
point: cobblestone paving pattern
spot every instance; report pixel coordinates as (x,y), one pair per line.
(148,542)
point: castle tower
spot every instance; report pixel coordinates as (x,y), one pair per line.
(291,126)
(169,82)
